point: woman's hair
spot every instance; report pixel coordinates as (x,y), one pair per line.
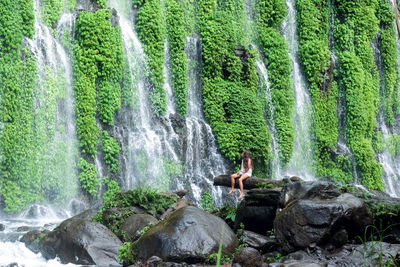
(245,157)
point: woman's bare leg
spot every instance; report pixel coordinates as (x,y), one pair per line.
(233,177)
(241,179)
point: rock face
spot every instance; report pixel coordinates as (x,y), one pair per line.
(316,212)
(79,241)
(136,223)
(187,235)
(258,210)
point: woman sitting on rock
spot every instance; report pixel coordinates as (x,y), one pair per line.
(246,170)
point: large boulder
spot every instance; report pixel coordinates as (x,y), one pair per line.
(187,235)
(135,224)
(79,241)
(315,211)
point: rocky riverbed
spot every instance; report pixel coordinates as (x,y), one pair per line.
(299,223)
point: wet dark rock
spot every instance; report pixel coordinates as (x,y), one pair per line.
(258,210)
(181,193)
(109,215)
(80,241)
(114,18)
(88,5)
(13,264)
(87,214)
(340,237)
(32,238)
(177,205)
(308,221)
(2,227)
(23,229)
(248,257)
(187,235)
(308,190)
(135,224)
(154,261)
(260,242)
(368,254)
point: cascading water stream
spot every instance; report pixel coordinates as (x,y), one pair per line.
(202,159)
(276,166)
(170,152)
(301,161)
(390,163)
(55,134)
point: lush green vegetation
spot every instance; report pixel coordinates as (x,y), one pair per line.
(151,33)
(111,150)
(177,59)
(18,187)
(313,30)
(98,65)
(270,16)
(388,50)
(356,26)
(230,83)
(88,177)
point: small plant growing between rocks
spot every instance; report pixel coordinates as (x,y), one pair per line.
(125,254)
(207,201)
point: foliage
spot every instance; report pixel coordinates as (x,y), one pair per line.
(52,11)
(313,27)
(278,256)
(98,63)
(388,52)
(177,59)
(229,87)
(102,3)
(88,176)
(270,15)
(146,198)
(112,188)
(111,150)
(207,201)
(19,182)
(125,254)
(359,80)
(151,34)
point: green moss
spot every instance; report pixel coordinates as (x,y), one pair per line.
(111,150)
(51,11)
(19,184)
(88,177)
(177,60)
(98,69)
(151,33)
(230,90)
(313,28)
(270,15)
(359,80)
(388,50)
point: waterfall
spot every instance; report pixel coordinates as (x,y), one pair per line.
(55,130)
(55,134)
(275,166)
(202,159)
(390,163)
(171,152)
(302,159)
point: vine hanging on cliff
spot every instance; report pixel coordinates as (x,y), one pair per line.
(151,33)
(270,16)
(230,97)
